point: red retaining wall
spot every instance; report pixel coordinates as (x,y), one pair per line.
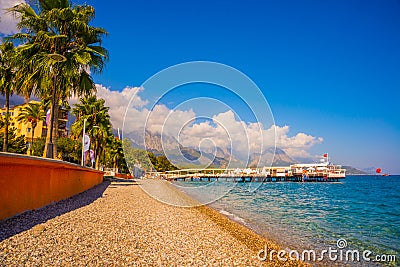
(28,183)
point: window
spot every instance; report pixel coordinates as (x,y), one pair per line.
(28,130)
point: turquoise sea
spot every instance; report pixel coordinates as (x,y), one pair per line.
(362,210)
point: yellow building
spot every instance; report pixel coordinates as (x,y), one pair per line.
(25,128)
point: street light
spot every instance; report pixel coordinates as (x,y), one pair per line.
(56,58)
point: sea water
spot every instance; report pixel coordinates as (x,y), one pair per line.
(364,211)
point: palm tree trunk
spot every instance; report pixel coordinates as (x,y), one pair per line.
(33,133)
(55,129)
(97,156)
(55,132)
(5,141)
(115,161)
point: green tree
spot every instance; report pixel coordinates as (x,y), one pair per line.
(163,164)
(2,122)
(60,50)
(136,156)
(69,149)
(16,144)
(38,147)
(147,160)
(98,125)
(32,114)
(153,160)
(7,83)
(116,153)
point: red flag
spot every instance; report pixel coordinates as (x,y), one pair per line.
(378,170)
(325,155)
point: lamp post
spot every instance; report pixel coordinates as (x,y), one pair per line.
(56,58)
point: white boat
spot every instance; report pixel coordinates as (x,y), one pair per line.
(318,170)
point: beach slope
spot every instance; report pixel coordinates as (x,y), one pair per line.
(124,226)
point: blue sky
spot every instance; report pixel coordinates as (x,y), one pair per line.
(327,68)
(330,69)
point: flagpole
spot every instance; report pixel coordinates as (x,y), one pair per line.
(83,142)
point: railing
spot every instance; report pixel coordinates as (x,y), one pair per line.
(272,172)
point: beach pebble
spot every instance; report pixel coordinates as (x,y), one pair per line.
(118,224)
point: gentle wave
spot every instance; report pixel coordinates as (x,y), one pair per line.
(364,210)
(233,217)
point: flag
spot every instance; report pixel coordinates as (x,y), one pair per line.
(325,155)
(86,143)
(91,153)
(48,118)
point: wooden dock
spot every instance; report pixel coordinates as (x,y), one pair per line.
(272,174)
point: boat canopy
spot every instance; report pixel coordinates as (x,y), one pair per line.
(309,165)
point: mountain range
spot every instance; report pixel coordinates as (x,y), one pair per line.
(186,157)
(191,157)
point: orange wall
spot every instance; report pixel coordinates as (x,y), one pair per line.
(123,175)
(28,183)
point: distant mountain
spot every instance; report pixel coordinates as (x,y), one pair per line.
(369,170)
(181,155)
(270,157)
(305,160)
(178,154)
(14,100)
(190,157)
(151,141)
(353,171)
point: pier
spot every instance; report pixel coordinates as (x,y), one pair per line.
(292,173)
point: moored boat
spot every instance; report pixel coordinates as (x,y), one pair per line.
(318,170)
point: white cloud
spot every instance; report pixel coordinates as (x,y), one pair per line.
(243,137)
(297,145)
(129,95)
(166,121)
(8,23)
(222,130)
(118,102)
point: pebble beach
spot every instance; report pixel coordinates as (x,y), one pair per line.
(118,224)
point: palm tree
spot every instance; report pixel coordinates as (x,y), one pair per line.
(98,125)
(60,50)
(7,82)
(2,122)
(116,151)
(32,113)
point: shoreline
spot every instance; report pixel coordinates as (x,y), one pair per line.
(270,239)
(320,244)
(122,225)
(241,232)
